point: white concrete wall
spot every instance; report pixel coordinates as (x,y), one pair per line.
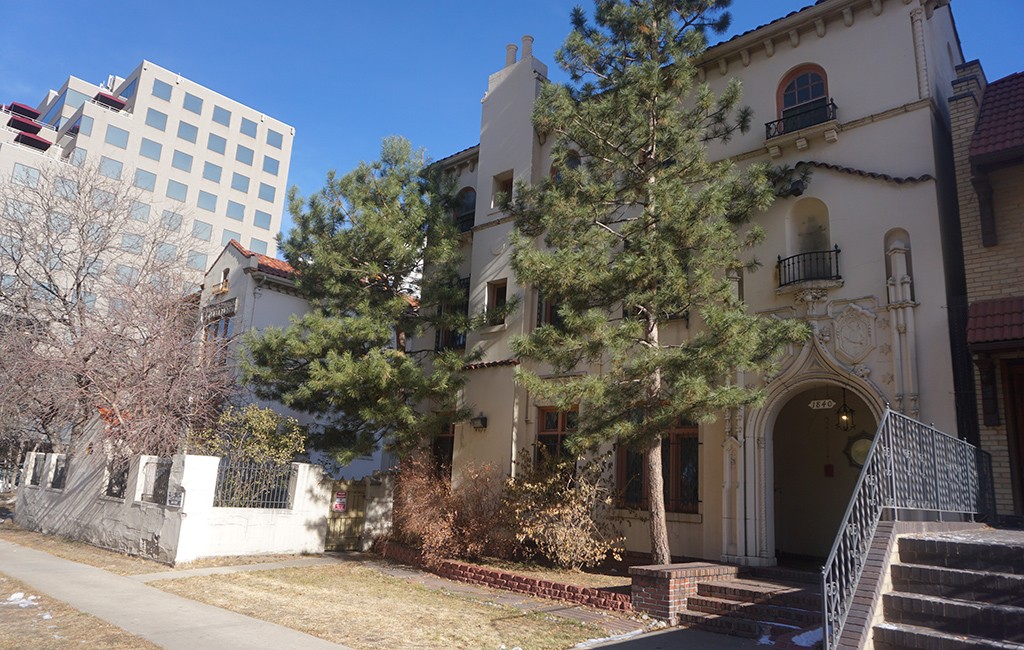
(172,534)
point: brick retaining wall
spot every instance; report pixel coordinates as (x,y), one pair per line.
(662,590)
(471,573)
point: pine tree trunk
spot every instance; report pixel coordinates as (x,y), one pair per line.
(655,494)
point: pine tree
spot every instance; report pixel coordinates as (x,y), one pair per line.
(359,247)
(637,228)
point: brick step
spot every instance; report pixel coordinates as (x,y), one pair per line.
(962,584)
(733,625)
(962,553)
(782,574)
(985,620)
(895,636)
(755,591)
(790,616)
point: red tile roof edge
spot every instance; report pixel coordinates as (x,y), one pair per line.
(492,364)
(265,263)
(992,321)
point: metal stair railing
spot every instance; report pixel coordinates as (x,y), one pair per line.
(910,465)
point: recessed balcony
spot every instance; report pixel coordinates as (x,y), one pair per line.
(803,117)
(811,267)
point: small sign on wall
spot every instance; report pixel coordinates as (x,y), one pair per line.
(822,404)
(340,502)
(175,499)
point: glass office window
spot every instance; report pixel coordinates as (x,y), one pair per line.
(117,137)
(212,172)
(150,149)
(258,246)
(221,115)
(275,139)
(244,155)
(132,243)
(171,220)
(217,144)
(182,161)
(188,131)
(267,192)
(193,104)
(145,180)
(202,230)
(236,211)
(248,128)
(240,182)
(156,119)
(271,165)
(197,260)
(207,201)
(177,191)
(140,211)
(111,168)
(262,220)
(228,235)
(25,175)
(161,89)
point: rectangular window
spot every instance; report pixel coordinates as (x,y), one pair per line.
(181,160)
(188,131)
(217,144)
(156,119)
(267,192)
(207,201)
(196,260)
(103,200)
(170,220)
(502,190)
(161,89)
(126,275)
(547,312)
(166,252)
(38,465)
(258,246)
(212,172)
(140,211)
(78,156)
(116,137)
(244,155)
(271,165)
(274,139)
(150,149)
(262,220)
(553,427)
(65,188)
(25,175)
(156,476)
(228,235)
(679,462)
(446,336)
(193,104)
(129,91)
(132,243)
(497,297)
(240,182)
(59,223)
(221,115)
(248,128)
(84,125)
(145,180)
(88,300)
(202,230)
(94,267)
(236,211)
(110,168)
(177,191)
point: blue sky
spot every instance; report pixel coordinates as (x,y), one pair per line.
(346,73)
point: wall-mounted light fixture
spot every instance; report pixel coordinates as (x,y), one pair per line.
(844,415)
(479,422)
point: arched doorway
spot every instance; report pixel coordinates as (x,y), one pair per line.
(815,470)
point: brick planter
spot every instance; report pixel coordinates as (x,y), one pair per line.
(662,590)
(497,579)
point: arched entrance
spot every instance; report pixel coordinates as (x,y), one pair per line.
(815,469)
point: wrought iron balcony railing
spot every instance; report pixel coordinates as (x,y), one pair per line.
(792,120)
(803,267)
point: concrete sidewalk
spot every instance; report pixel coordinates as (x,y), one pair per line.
(167,620)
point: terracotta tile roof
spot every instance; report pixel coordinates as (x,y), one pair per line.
(1000,127)
(990,321)
(267,264)
(492,364)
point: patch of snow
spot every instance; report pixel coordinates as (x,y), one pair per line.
(18,598)
(766,639)
(809,638)
(46,616)
(589,643)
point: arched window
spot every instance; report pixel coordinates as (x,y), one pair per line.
(465,209)
(803,99)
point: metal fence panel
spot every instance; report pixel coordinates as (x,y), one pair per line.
(243,484)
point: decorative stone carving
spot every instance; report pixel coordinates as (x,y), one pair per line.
(824,334)
(812,299)
(855,333)
(885,349)
(862,370)
(887,379)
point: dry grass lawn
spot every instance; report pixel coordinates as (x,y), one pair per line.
(39,622)
(361,607)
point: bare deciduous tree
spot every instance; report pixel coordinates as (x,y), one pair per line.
(99,313)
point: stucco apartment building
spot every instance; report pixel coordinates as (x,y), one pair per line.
(204,164)
(988,140)
(867,254)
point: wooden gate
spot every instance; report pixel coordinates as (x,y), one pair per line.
(345,519)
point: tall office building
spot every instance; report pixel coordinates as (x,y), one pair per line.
(204,164)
